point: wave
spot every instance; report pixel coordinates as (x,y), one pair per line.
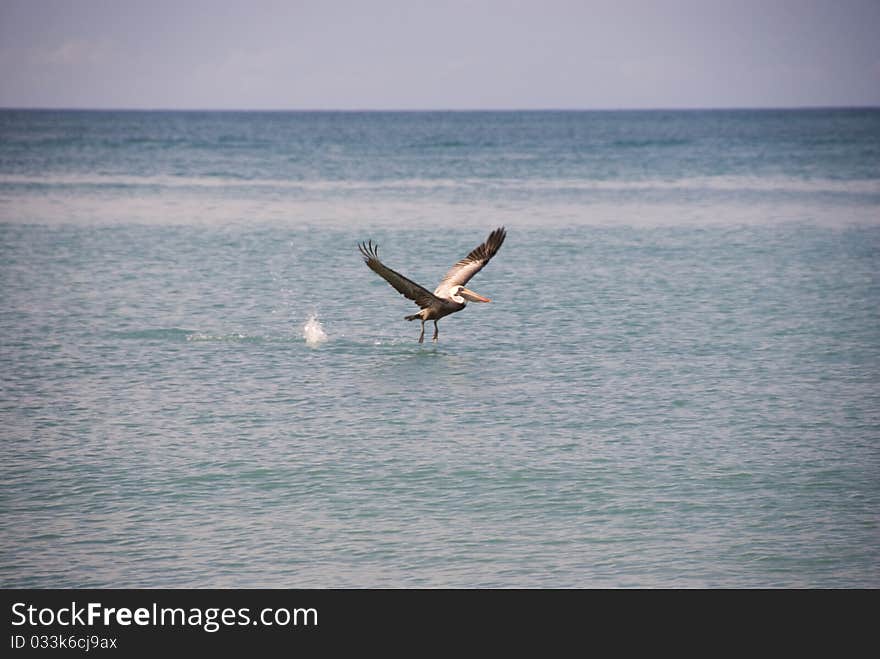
(166,334)
(708,183)
(312,334)
(176,334)
(650,143)
(234,337)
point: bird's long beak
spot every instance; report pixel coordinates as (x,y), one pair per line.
(473,297)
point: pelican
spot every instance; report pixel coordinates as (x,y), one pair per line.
(450,295)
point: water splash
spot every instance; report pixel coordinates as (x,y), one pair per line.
(234,337)
(313,331)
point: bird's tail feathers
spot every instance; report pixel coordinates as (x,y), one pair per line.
(415,316)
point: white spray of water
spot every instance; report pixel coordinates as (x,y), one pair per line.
(313,332)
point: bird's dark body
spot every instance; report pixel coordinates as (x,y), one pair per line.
(437,311)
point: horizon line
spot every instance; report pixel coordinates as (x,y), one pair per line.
(365,110)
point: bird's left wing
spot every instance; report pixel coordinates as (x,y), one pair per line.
(406,287)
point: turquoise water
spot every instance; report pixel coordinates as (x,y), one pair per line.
(676,383)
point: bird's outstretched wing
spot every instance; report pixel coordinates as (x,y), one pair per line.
(406,287)
(461,272)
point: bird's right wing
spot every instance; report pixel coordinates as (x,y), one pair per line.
(406,287)
(461,272)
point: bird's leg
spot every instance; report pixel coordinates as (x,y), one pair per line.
(436,332)
(422,335)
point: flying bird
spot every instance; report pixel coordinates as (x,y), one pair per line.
(450,295)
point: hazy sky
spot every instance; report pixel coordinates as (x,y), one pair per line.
(458,54)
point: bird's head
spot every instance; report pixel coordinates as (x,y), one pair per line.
(460,294)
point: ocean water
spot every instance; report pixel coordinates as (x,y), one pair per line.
(677,383)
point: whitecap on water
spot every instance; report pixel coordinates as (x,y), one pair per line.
(313,331)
